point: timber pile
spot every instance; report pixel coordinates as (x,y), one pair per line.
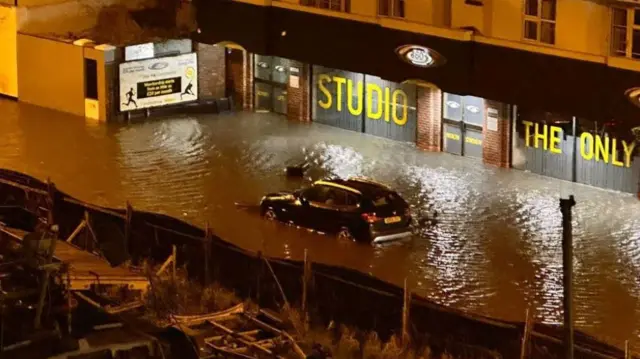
(241,333)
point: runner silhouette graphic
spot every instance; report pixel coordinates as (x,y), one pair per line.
(130,99)
(187,90)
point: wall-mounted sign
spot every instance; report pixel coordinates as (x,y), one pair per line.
(294,81)
(492,119)
(592,147)
(420,56)
(633,95)
(158,82)
(139,52)
(380,102)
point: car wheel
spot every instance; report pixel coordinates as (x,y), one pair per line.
(270,215)
(345,234)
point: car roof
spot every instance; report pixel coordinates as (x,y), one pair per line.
(362,186)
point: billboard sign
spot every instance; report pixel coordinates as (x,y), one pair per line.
(158,82)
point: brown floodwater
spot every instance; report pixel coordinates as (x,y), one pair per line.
(495,250)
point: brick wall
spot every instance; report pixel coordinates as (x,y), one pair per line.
(211,71)
(429,108)
(240,74)
(496,144)
(248,77)
(298,98)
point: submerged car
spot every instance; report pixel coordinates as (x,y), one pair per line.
(356,209)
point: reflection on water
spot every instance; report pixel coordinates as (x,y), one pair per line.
(496,248)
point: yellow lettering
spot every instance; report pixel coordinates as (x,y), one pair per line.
(339,82)
(370,89)
(584,138)
(628,151)
(614,154)
(602,149)
(386,104)
(405,103)
(527,132)
(321,80)
(540,136)
(358,110)
(473,141)
(453,136)
(555,140)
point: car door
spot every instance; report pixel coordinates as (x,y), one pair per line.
(312,201)
(327,212)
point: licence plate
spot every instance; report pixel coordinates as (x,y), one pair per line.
(395,219)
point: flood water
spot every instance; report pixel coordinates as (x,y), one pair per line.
(495,250)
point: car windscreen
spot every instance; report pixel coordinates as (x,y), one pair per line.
(387,199)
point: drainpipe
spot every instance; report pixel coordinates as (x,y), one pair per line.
(574,158)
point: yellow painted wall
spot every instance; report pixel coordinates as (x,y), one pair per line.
(364,7)
(8,55)
(582,26)
(51,74)
(420,11)
(507,20)
(463,15)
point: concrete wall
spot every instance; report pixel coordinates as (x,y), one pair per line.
(51,74)
(8,54)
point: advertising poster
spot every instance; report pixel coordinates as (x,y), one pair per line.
(158,82)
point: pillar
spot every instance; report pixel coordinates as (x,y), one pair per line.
(497,134)
(429,115)
(240,74)
(211,71)
(299,92)
(248,77)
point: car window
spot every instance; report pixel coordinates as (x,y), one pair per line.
(384,198)
(341,198)
(315,194)
(352,200)
(336,197)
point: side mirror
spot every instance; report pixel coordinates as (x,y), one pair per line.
(304,201)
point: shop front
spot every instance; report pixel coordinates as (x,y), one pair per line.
(364,103)
(270,83)
(462,121)
(579,150)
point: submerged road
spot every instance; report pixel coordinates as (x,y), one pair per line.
(495,249)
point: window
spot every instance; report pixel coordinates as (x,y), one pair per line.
(335,5)
(540,21)
(393,8)
(625,33)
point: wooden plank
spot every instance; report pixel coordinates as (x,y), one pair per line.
(250,333)
(242,339)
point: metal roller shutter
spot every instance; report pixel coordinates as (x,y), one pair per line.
(331,105)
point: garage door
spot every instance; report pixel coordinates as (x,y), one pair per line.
(338,98)
(390,109)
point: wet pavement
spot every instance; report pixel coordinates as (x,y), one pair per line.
(495,250)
